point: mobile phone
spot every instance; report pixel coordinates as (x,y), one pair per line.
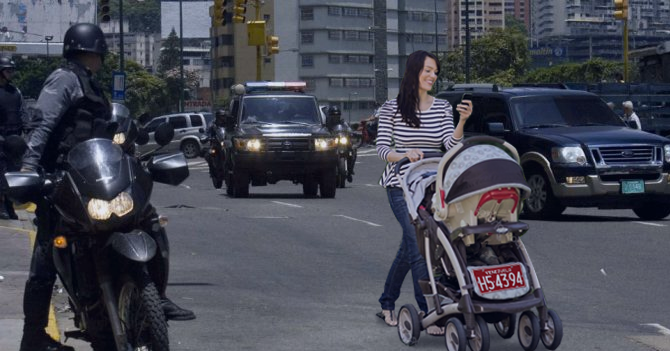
(466,96)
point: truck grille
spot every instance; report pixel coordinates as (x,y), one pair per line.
(288,144)
(626,155)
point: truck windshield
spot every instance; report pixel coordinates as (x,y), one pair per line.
(284,109)
(562,111)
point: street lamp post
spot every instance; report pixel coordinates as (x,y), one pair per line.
(351,93)
(48,38)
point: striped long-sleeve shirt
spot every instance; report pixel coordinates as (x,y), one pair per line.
(436,131)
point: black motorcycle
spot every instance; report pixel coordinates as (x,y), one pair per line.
(101,245)
(216,155)
(346,153)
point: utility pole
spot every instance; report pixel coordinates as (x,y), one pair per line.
(621,13)
(380,52)
(467,41)
(181,58)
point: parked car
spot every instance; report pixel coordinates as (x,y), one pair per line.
(575,151)
(189,131)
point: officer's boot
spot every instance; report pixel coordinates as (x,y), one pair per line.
(4,214)
(9,205)
(36,301)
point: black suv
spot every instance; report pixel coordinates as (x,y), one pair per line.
(275,132)
(575,151)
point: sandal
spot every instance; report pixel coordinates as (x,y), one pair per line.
(388,317)
(435,330)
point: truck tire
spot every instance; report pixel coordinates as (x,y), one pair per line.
(328,183)
(541,204)
(652,211)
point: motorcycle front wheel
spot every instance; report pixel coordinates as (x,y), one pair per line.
(141,314)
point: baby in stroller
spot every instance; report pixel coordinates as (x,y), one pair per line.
(465,205)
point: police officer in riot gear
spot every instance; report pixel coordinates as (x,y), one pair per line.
(347,151)
(12,119)
(71,108)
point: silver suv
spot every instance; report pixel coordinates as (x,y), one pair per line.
(189,129)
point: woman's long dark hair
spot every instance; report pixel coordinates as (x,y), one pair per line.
(408,97)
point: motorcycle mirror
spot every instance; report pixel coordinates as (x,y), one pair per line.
(22,187)
(144,118)
(142,137)
(164,134)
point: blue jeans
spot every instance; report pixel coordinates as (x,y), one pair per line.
(408,256)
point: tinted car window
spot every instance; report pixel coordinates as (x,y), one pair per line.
(550,111)
(196,121)
(280,109)
(178,122)
(209,118)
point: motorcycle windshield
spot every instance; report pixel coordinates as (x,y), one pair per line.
(97,168)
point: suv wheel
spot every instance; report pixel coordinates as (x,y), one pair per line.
(328,183)
(190,148)
(240,184)
(652,211)
(541,204)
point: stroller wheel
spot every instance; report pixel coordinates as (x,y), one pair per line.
(552,336)
(482,339)
(507,326)
(529,331)
(454,335)
(409,325)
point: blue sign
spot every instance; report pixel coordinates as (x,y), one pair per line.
(118,86)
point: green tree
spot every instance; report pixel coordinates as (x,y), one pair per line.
(31,73)
(142,15)
(501,57)
(170,57)
(593,71)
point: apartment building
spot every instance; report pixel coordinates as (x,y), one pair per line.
(481,16)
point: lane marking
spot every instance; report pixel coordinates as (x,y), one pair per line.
(269,217)
(651,224)
(359,220)
(661,329)
(287,204)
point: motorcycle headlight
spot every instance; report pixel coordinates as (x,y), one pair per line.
(119,138)
(666,151)
(569,154)
(248,144)
(323,144)
(101,210)
(343,140)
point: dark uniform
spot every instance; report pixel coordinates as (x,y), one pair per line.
(12,118)
(71,108)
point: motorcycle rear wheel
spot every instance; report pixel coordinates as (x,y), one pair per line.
(141,314)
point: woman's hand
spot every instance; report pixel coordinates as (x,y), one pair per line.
(464,109)
(414,155)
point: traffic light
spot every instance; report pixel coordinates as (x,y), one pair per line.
(272,43)
(103,11)
(256,32)
(239,11)
(621,9)
(219,12)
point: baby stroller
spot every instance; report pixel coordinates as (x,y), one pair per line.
(465,205)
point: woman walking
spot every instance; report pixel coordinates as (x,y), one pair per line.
(414,122)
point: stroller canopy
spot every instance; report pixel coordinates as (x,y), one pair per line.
(478,169)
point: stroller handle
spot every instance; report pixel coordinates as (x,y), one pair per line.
(405,160)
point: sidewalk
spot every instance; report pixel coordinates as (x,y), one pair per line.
(15,252)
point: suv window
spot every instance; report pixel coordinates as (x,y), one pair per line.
(151,126)
(273,109)
(178,122)
(196,121)
(549,111)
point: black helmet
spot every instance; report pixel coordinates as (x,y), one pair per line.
(84,37)
(6,62)
(334,111)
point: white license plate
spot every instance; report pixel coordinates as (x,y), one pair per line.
(632,186)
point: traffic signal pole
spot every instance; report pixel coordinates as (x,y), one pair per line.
(625,50)
(259,56)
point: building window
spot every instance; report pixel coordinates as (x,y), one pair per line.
(365,13)
(307,37)
(352,82)
(311,84)
(335,59)
(350,35)
(334,11)
(336,82)
(307,13)
(307,60)
(350,12)
(334,34)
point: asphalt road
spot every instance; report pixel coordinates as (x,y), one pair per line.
(277,271)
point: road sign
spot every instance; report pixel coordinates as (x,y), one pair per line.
(118,86)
